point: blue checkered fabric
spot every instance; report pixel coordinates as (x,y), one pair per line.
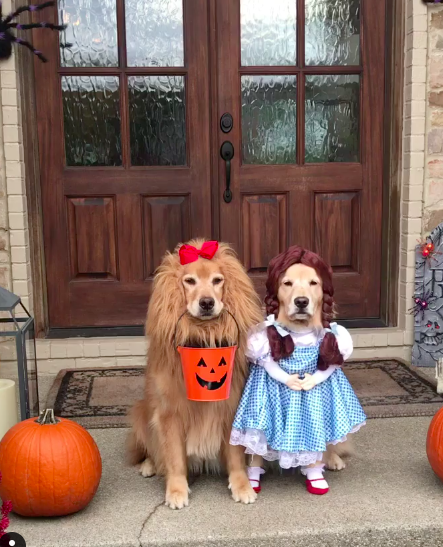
(298,421)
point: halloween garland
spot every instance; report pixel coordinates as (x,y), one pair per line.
(7,25)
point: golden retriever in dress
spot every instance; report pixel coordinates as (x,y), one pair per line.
(300,297)
(171,434)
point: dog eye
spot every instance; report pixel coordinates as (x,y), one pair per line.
(288,283)
(313,283)
(190,281)
(217,280)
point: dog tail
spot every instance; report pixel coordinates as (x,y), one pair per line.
(136,450)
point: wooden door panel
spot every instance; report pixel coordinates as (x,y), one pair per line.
(92,236)
(166,220)
(264,229)
(337,229)
(112,304)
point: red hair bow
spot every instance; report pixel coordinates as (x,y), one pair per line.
(189,254)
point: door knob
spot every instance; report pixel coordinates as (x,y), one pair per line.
(227,153)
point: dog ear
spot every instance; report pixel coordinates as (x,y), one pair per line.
(167,301)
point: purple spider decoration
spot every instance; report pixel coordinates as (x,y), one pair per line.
(422,303)
(7,38)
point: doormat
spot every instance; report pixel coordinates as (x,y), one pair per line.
(102,398)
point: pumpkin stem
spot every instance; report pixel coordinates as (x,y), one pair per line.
(47,417)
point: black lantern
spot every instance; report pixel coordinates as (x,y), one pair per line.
(22,329)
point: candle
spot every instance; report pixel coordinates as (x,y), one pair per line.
(8,406)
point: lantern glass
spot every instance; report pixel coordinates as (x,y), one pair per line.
(16,322)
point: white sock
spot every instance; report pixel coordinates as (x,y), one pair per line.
(254,474)
(313,473)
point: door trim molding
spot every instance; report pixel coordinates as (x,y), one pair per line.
(26,83)
(392,172)
(395,39)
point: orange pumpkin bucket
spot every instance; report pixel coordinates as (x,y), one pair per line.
(208,371)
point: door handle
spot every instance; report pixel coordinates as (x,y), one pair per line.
(227,153)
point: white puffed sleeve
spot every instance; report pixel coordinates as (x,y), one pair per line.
(344,340)
(258,344)
(258,352)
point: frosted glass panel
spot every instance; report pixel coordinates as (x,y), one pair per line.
(332,33)
(91,118)
(269,119)
(268,32)
(92,31)
(157,120)
(154,32)
(332,118)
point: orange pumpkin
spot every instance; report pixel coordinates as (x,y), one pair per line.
(51,467)
(434,444)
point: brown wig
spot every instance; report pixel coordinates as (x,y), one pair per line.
(284,346)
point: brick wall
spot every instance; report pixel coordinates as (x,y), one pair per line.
(423,83)
(433,188)
(414,138)
(15,268)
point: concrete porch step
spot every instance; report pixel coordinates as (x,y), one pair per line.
(387,497)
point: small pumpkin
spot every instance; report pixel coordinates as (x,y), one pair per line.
(51,466)
(434,444)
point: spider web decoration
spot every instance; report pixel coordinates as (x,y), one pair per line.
(428,301)
(8,25)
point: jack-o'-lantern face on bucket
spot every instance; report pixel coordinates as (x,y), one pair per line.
(212,377)
(208,372)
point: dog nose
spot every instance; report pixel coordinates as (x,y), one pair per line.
(301,302)
(207,304)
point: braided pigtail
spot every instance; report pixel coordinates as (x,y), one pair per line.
(329,353)
(281,346)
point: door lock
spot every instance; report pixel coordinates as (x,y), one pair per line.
(226,122)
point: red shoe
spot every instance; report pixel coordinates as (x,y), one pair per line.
(254,477)
(255,485)
(314,490)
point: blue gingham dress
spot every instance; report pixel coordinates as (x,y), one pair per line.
(295,427)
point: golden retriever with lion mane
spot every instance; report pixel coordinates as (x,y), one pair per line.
(171,434)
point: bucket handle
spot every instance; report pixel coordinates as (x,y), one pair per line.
(224,310)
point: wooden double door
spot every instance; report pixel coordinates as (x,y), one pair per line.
(163,110)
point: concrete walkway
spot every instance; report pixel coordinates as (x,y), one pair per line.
(388,496)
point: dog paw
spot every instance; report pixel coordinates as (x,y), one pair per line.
(334,462)
(242,492)
(177,494)
(147,468)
